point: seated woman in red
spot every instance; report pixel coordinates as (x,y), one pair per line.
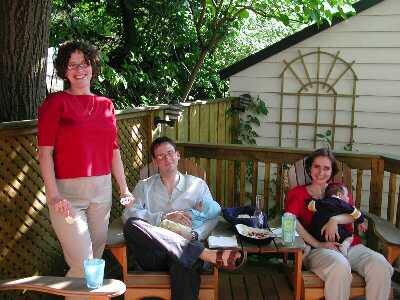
(324,259)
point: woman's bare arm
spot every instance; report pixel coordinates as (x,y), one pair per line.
(119,175)
(309,239)
(53,196)
(330,229)
(47,170)
(305,235)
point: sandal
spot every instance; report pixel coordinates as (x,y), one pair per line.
(232,263)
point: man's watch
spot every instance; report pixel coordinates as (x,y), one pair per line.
(195,235)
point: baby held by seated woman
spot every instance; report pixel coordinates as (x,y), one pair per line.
(335,202)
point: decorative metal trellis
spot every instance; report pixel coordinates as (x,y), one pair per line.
(313,84)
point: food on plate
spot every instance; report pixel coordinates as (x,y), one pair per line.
(254,233)
(258,235)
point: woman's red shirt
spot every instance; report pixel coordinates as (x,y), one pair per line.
(82,129)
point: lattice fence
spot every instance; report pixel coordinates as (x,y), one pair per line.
(134,139)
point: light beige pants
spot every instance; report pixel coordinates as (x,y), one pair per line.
(90,199)
(335,270)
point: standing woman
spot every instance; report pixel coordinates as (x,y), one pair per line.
(78,151)
(324,259)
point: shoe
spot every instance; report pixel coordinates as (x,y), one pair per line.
(232,263)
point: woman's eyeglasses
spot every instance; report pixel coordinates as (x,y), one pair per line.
(77,66)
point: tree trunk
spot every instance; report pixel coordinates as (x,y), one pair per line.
(129,39)
(189,84)
(24,39)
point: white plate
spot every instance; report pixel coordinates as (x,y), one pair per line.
(254,233)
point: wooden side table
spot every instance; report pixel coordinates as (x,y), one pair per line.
(223,228)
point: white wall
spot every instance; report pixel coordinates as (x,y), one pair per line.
(372,40)
(53,82)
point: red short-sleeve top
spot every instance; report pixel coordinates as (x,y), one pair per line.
(82,129)
(296,204)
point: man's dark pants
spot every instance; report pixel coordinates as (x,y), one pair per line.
(158,249)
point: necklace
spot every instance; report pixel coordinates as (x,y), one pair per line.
(89,107)
(316,191)
(92,107)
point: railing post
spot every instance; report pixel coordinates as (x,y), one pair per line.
(149,120)
(376,186)
(235,122)
(279,189)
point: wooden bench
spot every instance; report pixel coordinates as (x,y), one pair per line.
(142,284)
(65,286)
(313,285)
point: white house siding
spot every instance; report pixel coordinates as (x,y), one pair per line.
(53,82)
(372,40)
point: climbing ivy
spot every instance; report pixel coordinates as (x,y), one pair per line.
(249,111)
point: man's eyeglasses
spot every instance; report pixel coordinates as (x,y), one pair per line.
(169,154)
(77,66)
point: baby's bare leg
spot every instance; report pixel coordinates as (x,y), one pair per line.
(345,245)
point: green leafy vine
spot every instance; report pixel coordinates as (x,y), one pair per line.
(326,138)
(249,111)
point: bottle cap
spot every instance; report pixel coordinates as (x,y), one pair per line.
(288,214)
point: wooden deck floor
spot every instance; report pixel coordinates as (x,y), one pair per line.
(258,280)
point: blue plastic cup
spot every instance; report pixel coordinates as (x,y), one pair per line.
(94,272)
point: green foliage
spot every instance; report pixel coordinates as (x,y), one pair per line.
(248,119)
(157,51)
(350,146)
(326,138)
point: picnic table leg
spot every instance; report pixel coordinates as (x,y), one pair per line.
(298,257)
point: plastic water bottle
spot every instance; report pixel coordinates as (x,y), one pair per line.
(258,213)
(288,228)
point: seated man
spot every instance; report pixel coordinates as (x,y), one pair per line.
(175,197)
(335,202)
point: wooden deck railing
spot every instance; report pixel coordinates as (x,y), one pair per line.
(268,170)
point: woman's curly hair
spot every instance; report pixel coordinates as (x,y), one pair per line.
(324,152)
(65,51)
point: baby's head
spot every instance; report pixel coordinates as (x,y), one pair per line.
(337,190)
